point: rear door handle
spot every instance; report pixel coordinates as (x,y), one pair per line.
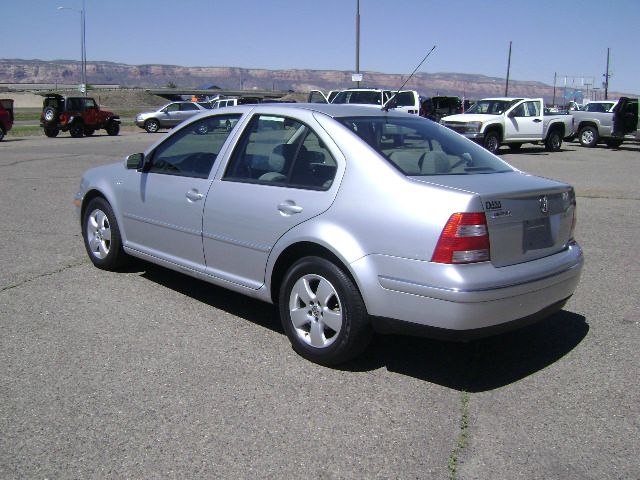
(194,195)
(289,207)
(537,120)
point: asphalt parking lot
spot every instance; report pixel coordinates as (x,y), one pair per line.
(150,374)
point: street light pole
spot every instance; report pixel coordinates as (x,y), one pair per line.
(83,49)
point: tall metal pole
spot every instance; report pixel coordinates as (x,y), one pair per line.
(606,78)
(554,88)
(506,87)
(84,50)
(358,39)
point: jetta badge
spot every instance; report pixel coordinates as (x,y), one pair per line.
(544,204)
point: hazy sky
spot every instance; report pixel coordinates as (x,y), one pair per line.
(563,36)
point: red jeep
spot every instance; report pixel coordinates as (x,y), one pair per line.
(6,116)
(78,115)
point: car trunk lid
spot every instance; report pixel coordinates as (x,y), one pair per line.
(528,217)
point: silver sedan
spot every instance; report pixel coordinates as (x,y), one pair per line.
(352,220)
(170,115)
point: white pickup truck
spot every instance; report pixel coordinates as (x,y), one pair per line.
(512,121)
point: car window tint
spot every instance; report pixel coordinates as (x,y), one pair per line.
(192,151)
(281,151)
(172,107)
(188,106)
(75,104)
(89,103)
(418,147)
(205,105)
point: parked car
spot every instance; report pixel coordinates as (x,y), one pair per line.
(346,229)
(405,100)
(77,115)
(511,121)
(170,115)
(609,126)
(599,106)
(232,102)
(434,108)
(6,116)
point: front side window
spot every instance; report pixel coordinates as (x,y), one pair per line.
(172,107)
(281,151)
(418,147)
(192,151)
(89,103)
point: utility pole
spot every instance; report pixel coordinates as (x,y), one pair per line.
(606,78)
(555,74)
(358,39)
(506,87)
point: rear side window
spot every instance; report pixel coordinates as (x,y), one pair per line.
(185,107)
(281,151)
(192,151)
(405,99)
(418,147)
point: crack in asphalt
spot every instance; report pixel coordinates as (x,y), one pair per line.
(18,162)
(42,275)
(607,197)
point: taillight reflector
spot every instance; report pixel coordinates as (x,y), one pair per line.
(464,239)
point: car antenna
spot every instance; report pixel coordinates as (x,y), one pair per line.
(386,105)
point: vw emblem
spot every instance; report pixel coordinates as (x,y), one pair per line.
(544,204)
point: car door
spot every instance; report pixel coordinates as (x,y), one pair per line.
(169,116)
(625,116)
(279,175)
(162,204)
(524,121)
(188,110)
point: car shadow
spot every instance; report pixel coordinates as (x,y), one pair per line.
(480,365)
(475,366)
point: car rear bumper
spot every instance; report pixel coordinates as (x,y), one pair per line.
(449,297)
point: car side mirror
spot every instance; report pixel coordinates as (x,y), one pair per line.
(135,161)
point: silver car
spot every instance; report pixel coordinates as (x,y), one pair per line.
(351,219)
(170,115)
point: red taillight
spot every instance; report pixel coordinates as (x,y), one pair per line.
(464,239)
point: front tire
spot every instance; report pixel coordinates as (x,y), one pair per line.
(323,313)
(588,136)
(553,141)
(88,131)
(101,235)
(152,125)
(492,141)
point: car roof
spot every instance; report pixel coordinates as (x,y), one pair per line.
(329,109)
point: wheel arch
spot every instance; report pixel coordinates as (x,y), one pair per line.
(495,127)
(588,123)
(96,192)
(295,252)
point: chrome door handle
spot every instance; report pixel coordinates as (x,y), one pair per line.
(194,196)
(289,207)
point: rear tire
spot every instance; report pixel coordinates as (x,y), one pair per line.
(323,313)
(51,132)
(88,131)
(1,133)
(588,136)
(553,141)
(76,130)
(113,128)
(492,141)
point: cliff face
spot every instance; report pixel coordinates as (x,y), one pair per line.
(153,76)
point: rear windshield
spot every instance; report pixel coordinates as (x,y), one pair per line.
(492,107)
(405,99)
(359,97)
(420,147)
